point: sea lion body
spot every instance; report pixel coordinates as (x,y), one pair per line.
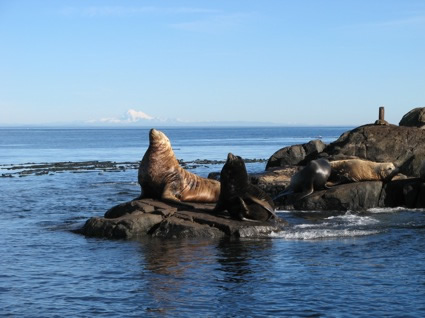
(243,200)
(312,177)
(355,170)
(161,176)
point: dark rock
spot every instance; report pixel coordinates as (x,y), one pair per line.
(132,220)
(409,193)
(275,180)
(296,154)
(352,196)
(414,118)
(422,170)
(403,146)
(381,122)
(133,225)
(214,175)
(146,206)
(175,227)
(420,203)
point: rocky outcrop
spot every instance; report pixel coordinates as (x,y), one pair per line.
(414,118)
(147,217)
(360,196)
(351,196)
(296,155)
(403,146)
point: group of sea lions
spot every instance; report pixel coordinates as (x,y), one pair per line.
(161,177)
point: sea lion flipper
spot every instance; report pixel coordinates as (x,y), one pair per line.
(266,205)
(306,193)
(244,210)
(286,192)
(168,197)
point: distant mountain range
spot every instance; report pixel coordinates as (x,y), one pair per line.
(133,119)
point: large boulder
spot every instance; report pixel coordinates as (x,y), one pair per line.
(403,146)
(296,154)
(351,196)
(414,118)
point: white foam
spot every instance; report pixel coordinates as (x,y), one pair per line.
(392,210)
(353,219)
(322,234)
(310,226)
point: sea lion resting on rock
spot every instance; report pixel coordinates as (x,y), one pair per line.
(312,177)
(355,170)
(243,200)
(161,177)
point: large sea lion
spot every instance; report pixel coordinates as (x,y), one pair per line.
(161,177)
(243,200)
(312,177)
(355,170)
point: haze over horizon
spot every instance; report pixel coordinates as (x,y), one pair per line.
(275,62)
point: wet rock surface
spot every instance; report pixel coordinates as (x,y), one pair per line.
(148,217)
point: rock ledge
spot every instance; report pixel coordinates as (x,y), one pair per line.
(147,217)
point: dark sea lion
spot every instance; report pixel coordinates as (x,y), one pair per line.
(161,177)
(312,177)
(356,170)
(243,200)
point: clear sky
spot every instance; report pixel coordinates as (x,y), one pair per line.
(291,62)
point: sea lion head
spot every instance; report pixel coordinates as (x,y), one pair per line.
(387,171)
(234,174)
(158,139)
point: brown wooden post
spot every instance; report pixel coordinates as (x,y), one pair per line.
(381,113)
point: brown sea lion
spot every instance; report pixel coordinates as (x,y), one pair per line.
(312,177)
(355,170)
(243,200)
(161,177)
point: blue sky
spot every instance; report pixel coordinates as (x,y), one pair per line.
(287,62)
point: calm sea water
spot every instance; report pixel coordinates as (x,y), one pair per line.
(350,265)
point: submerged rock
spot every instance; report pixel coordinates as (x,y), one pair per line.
(147,217)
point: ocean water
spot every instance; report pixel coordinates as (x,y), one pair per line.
(369,264)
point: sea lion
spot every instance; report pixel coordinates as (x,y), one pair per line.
(243,200)
(161,177)
(355,170)
(312,177)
